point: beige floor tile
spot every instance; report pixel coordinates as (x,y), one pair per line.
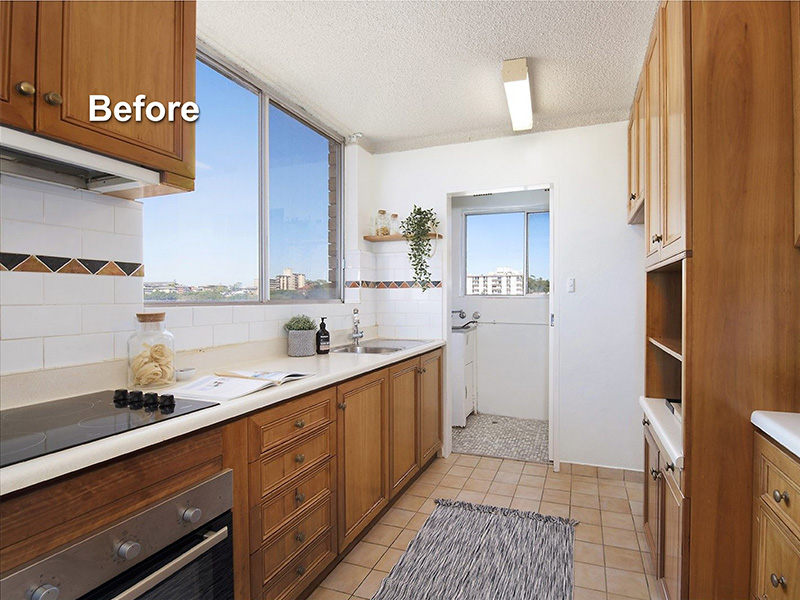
(490,463)
(590,576)
(589,553)
(531,480)
(637,508)
(370,585)
(638,523)
(584,470)
(621,538)
(325,594)
(556,496)
(626,583)
(560,476)
(617,520)
(458,471)
(497,500)
(617,505)
(345,578)
(428,507)
(585,479)
(581,487)
(529,493)
(512,466)
(624,559)
(606,473)
(580,593)
(421,489)
(507,477)
(476,485)
(417,521)
(431,478)
(396,517)
(526,504)
(402,541)
(557,484)
(474,497)
(565,467)
(445,492)
(502,489)
(409,502)
(589,533)
(636,494)
(438,466)
(585,500)
(556,510)
(535,469)
(607,490)
(453,481)
(382,534)
(484,474)
(590,516)
(365,554)
(389,560)
(468,461)
(635,476)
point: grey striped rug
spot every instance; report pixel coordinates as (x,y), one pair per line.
(472,552)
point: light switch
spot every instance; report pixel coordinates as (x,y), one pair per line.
(571,285)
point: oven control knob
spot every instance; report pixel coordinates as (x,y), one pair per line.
(45,592)
(192,515)
(129,550)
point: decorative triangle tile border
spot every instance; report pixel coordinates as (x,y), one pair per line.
(389,285)
(33,263)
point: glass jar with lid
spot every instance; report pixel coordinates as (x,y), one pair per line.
(151,353)
(394,224)
(382,223)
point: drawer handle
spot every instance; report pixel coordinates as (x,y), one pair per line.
(299,458)
(300,497)
(53,99)
(655,474)
(25,88)
(776,581)
(300,424)
(778,496)
(300,570)
(300,537)
(645,422)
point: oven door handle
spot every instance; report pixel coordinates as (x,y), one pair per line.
(172,567)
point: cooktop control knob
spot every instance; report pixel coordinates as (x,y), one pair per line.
(45,592)
(192,515)
(135,400)
(151,401)
(167,400)
(120,398)
(129,550)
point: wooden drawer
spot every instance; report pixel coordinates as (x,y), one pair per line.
(300,572)
(272,514)
(283,549)
(279,425)
(776,566)
(276,469)
(778,481)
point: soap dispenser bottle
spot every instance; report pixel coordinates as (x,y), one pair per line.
(323,338)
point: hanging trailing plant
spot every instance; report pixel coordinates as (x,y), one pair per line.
(417,227)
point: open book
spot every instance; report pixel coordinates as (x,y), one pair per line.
(274,377)
(218,388)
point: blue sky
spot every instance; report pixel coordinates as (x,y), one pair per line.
(498,240)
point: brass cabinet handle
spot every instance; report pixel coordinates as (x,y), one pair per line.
(300,423)
(633,197)
(299,458)
(300,570)
(342,405)
(778,496)
(655,474)
(777,581)
(25,88)
(645,422)
(300,497)
(422,370)
(53,98)
(300,537)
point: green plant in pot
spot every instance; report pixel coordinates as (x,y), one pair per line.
(302,335)
(417,227)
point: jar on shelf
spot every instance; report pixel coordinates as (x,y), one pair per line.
(151,353)
(394,224)
(382,223)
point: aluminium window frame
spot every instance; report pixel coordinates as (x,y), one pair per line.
(266,96)
(525,211)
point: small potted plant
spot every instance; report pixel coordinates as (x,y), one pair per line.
(302,335)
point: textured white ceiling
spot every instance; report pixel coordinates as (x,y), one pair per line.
(415,74)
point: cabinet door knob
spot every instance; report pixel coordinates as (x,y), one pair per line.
(655,474)
(777,581)
(300,537)
(300,570)
(300,423)
(342,405)
(778,496)
(633,197)
(53,98)
(299,458)
(645,422)
(300,497)
(25,88)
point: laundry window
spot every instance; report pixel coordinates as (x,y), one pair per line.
(507,253)
(263,224)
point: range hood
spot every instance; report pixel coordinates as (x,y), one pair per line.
(33,157)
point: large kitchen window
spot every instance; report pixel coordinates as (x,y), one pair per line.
(507,253)
(263,223)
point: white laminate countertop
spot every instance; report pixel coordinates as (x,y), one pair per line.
(328,369)
(667,428)
(783,427)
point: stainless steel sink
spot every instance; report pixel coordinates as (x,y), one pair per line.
(364,350)
(378,346)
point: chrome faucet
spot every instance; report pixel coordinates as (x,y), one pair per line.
(356,335)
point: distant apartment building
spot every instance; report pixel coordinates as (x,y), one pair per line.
(503,281)
(288,281)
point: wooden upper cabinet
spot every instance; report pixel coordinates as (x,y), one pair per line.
(430,405)
(635,205)
(404,448)
(17,63)
(796,87)
(652,198)
(676,127)
(121,50)
(641,141)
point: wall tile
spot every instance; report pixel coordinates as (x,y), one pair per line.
(128,290)
(21,288)
(21,355)
(110,246)
(21,203)
(121,343)
(247,314)
(109,317)
(39,321)
(78,349)
(128,221)
(189,338)
(176,316)
(78,213)
(231,333)
(212,315)
(36,238)
(62,288)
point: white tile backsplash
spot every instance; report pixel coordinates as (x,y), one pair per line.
(231,333)
(111,246)
(24,237)
(189,338)
(21,288)
(128,290)
(247,314)
(78,212)
(77,349)
(128,220)
(65,288)
(21,203)
(99,318)
(21,355)
(39,321)
(212,315)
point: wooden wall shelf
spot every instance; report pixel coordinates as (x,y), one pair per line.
(671,346)
(396,237)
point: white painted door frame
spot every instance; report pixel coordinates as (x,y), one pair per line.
(449,247)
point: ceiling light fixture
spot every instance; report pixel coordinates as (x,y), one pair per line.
(518,93)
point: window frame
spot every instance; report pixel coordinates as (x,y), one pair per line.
(266,96)
(526,266)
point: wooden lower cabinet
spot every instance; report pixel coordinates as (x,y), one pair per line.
(430,426)
(674,515)
(363,423)
(404,413)
(652,498)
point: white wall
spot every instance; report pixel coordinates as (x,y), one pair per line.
(600,326)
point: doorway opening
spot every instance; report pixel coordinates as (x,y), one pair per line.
(501,316)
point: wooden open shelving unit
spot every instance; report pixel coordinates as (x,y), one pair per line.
(396,237)
(664,329)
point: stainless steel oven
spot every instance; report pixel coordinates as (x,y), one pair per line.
(178,549)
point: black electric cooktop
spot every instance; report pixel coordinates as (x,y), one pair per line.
(40,429)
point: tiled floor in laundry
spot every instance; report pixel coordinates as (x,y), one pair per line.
(611,558)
